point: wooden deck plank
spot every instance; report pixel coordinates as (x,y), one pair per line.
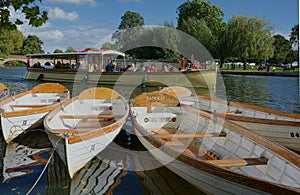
(239,162)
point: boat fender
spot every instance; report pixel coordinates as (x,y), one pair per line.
(85,78)
(228,100)
(144,81)
(40,77)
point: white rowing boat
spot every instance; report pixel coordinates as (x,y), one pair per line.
(27,110)
(279,126)
(84,125)
(213,154)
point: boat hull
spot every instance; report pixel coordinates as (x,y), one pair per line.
(14,126)
(76,155)
(202,180)
(201,79)
(278,126)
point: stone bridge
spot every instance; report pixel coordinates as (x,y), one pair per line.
(21,58)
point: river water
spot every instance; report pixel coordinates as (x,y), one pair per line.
(21,174)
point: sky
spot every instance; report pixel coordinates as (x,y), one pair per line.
(84,23)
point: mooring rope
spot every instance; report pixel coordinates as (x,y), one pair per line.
(38,179)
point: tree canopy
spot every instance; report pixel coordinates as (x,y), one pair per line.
(31,45)
(130,20)
(11,42)
(249,38)
(29,8)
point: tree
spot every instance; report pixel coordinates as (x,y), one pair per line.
(58,51)
(11,42)
(294,36)
(249,38)
(70,49)
(205,12)
(28,7)
(283,49)
(130,20)
(32,44)
(108,46)
(198,29)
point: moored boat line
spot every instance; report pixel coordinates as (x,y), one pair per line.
(240,161)
(279,126)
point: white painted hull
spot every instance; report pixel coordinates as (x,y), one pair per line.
(76,155)
(14,126)
(202,180)
(80,129)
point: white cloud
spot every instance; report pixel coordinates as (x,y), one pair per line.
(76,2)
(57,13)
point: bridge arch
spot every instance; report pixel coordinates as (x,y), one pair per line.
(20,58)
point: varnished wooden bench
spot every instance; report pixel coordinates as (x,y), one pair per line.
(86,117)
(239,162)
(190,135)
(29,106)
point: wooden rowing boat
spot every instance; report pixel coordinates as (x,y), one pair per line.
(27,110)
(4,92)
(281,127)
(84,125)
(213,154)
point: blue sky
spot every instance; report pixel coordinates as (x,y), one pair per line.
(83,23)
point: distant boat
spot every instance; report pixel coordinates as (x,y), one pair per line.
(4,92)
(211,153)
(279,126)
(27,110)
(89,67)
(83,126)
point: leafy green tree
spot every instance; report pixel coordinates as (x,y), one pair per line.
(294,36)
(282,50)
(32,44)
(130,20)
(58,51)
(249,38)
(70,49)
(108,46)
(11,42)
(198,29)
(201,12)
(28,7)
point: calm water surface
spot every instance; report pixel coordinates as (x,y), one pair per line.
(19,172)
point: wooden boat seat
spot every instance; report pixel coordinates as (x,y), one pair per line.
(86,117)
(190,135)
(73,131)
(29,106)
(239,162)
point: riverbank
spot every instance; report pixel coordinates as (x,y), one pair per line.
(260,73)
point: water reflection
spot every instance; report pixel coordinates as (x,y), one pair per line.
(280,93)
